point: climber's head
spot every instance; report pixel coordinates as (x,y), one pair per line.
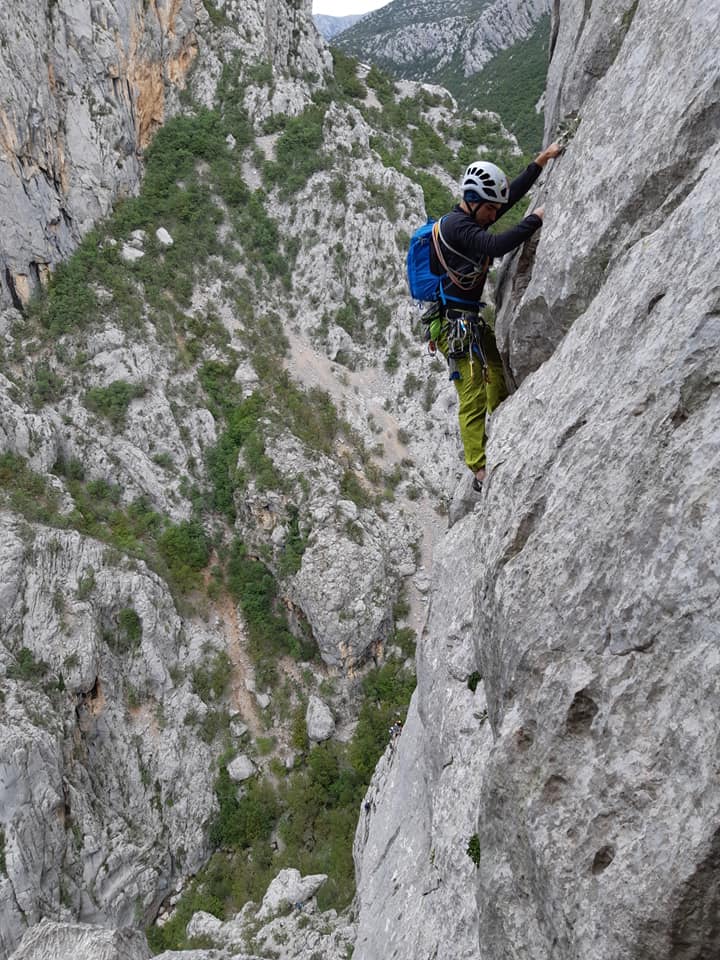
(484,189)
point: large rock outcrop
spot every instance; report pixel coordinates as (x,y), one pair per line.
(595,563)
(84,88)
(105,789)
(49,940)
(108,753)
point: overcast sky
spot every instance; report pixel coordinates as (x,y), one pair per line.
(342,8)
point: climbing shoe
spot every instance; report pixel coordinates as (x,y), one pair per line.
(477,485)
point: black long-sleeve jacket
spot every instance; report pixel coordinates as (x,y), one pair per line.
(460,231)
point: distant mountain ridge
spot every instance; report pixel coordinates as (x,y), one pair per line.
(329,27)
(454,42)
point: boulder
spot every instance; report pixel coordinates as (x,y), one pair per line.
(288,889)
(319,720)
(241,768)
(164,237)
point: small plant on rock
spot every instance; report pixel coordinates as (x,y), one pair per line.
(473,849)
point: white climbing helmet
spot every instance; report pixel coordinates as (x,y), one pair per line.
(487,181)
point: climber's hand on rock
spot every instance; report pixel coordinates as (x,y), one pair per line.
(549,153)
(540,212)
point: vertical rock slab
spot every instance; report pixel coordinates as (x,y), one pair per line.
(415,879)
(641,144)
(105,791)
(84,86)
(597,620)
(595,560)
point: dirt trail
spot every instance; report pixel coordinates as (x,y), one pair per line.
(242,669)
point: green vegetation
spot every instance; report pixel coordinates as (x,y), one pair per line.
(315,810)
(243,430)
(294,546)
(26,667)
(177,552)
(86,584)
(48,386)
(128,635)
(27,492)
(210,680)
(345,72)
(382,84)
(438,199)
(251,423)
(352,489)
(473,849)
(405,638)
(387,691)
(187,164)
(193,900)
(629,16)
(427,148)
(242,822)
(256,590)
(511,85)
(185,551)
(298,152)
(473,680)
(217,16)
(113,401)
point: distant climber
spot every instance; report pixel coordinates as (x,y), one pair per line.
(461,254)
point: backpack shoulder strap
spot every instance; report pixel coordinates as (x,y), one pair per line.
(463,282)
(452,249)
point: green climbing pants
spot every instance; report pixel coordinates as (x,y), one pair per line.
(479,392)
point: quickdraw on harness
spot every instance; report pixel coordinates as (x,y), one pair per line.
(464,333)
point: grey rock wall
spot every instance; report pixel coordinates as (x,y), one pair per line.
(105,791)
(647,119)
(106,783)
(601,521)
(84,86)
(49,940)
(416,893)
(593,593)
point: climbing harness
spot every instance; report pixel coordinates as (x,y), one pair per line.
(463,331)
(464,337)
(460,321)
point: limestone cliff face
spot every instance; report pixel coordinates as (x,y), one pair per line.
(591,602)
(112,715)
(85,86)
(93,786)
(415,38)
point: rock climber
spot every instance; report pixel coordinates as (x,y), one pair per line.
(463,249)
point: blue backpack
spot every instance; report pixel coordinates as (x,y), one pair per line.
(424,284)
